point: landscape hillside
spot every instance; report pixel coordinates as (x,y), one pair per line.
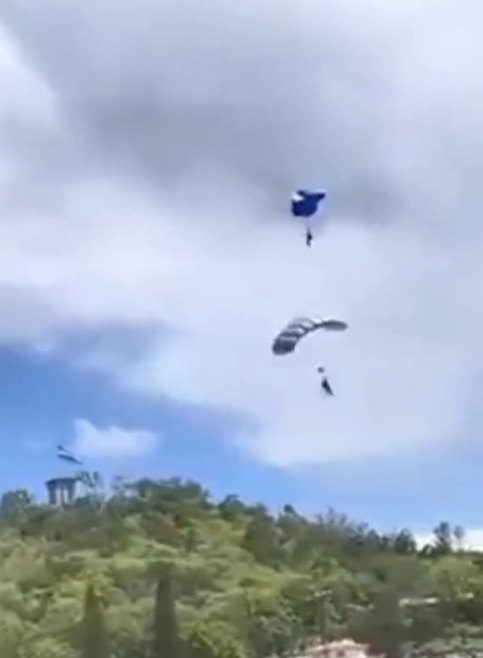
(127,568)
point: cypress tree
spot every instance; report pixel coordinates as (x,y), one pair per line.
(94,642)
(166,639)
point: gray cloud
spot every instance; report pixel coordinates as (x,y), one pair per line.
(258,93)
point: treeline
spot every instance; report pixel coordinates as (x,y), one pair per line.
(158,568)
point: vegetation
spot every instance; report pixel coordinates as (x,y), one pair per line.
(158,569)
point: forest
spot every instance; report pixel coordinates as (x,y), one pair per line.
(160,569)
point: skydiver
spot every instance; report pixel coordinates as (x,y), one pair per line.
(325,383)
(326,386)
(308,238)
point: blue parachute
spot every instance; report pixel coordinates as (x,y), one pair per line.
(305,203)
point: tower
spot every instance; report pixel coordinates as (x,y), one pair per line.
(61,490)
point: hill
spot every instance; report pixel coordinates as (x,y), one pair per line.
(248,583)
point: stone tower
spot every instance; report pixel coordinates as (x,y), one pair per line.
(61,490)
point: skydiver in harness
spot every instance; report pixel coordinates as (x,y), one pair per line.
(325,383)
(308,237)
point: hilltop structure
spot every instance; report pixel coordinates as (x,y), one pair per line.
(61,490)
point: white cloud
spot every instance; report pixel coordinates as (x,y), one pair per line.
(392,125)
(472,540)
(91,441)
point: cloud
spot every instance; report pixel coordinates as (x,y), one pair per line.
(91,441)
(472,539)
(147,160)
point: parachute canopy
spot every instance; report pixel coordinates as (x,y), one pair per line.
(67,456)
(287,339)
(305,203)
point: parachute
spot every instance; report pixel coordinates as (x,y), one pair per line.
(67,456)
(305,203)
(286,341)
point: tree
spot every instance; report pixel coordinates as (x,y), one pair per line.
(261,539)
(94,642)
(213,640)
(166,639)
(382,626)
(443,538)
(15,501)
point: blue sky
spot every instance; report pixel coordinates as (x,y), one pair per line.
(41,396)
(148,256)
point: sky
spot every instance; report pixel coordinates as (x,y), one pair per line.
(147,256)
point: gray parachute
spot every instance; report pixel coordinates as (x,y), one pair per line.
(298,328)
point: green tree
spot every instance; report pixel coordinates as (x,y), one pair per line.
(213,640)
(382,626)
(94,640)
(166,638)
(443,538)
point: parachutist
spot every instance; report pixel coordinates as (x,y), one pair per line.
(325,382)
(305,204)
(326,386)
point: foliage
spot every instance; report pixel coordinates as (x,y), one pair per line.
(94,641)
(222,579)
(166,640)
